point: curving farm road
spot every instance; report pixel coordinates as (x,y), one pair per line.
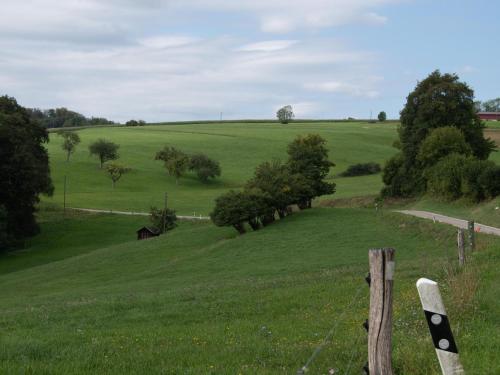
(459,223)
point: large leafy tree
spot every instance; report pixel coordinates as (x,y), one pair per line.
(104,150)
(24,168)
(275,180)
(382,116)
(176,161)
(232,209)
(440,100)
(308,157)
(285,114)
(204,167)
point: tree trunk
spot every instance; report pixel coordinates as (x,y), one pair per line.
(282,213)
(67,157)
(302,204)
(240,227)
(254,224)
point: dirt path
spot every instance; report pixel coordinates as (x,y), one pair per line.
(459,223)
(134,213)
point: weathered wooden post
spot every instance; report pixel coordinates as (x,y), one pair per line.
(472,235)
(380,322)
(461,247)
(439,326)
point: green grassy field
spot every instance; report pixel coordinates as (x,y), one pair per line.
(239,147)
(202,300)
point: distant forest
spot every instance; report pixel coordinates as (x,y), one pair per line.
(63,117)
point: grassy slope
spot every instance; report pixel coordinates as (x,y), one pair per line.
(239,147)
(202,300)
(79,234)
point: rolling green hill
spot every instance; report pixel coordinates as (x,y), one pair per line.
(202,300)
(239,147)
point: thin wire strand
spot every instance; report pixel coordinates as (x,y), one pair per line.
(354,353)
(327,338)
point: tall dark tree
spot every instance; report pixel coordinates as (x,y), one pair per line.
(440,100)
(382,116)
(24,168)
(308,156)
(104,150)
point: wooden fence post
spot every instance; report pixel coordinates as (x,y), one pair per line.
(439,326)
(380,322)
(472,235)
(461,247)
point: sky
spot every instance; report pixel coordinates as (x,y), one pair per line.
(166,60)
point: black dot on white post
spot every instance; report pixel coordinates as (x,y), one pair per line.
(436,319)
(439,327)
(444,344)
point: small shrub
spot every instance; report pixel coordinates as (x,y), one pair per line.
(442,142)
(457,176)
(361,169)
(489,180)
(444,179)
(163,219)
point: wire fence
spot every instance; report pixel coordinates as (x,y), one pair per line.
(330,335)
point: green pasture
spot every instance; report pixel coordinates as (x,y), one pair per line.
(239,147)
(202,300)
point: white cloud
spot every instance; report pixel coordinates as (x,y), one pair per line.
(267,46)
(115,58)
(467,69)
(281,16)
(363,89)
(163,41)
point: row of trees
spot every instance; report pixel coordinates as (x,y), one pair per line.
(63,117)
(492,105)
(135,123)
(276,186)
(443,150)
(177,163)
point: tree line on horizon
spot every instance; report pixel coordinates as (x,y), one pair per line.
(63,117)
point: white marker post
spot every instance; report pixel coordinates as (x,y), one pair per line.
(439,326)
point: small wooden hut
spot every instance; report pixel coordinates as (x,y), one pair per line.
(147,232)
